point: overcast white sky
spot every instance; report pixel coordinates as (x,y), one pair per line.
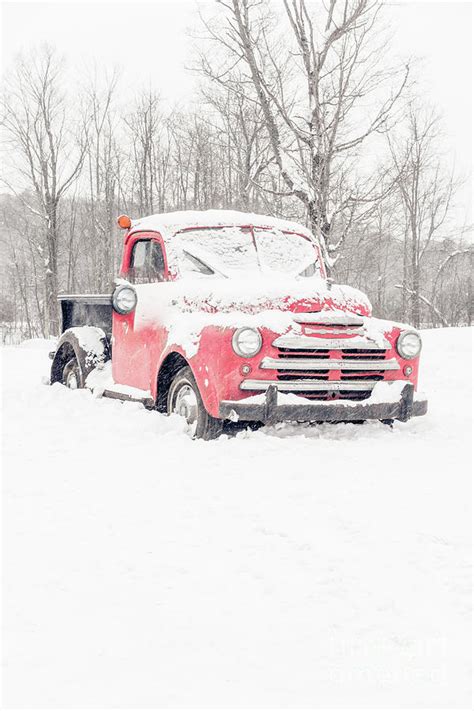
(149,41)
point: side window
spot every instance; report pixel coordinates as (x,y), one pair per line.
(147,263)
(139,255)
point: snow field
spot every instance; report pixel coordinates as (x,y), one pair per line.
(293,567)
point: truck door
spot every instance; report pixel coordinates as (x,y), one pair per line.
(133,349)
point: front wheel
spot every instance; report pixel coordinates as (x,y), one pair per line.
(184,399)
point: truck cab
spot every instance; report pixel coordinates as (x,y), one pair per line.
(221,316)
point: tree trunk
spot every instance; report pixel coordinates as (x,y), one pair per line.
(51,273)
(416,312)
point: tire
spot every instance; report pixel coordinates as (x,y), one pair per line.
(185,399)
(72,376)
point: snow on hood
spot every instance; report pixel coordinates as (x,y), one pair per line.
(252,295)
(185,307)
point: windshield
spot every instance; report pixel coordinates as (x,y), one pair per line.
(227,250)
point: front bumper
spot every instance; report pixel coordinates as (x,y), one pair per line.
(400,404)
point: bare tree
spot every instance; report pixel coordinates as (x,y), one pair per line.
(313,86)
(144,124)
(426,191)
(457,269)
(49,158)
(240,132)
(101,162)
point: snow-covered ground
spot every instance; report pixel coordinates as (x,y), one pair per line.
(292,567)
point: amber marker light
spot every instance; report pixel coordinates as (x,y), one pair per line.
(124,222)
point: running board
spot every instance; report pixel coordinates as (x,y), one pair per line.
(145,399)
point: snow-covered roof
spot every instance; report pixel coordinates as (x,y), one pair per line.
(167,224)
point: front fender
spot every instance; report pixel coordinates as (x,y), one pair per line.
(205,381)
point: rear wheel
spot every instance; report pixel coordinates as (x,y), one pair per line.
(72,377)
(184,399)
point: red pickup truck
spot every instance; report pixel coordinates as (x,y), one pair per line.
(222,316)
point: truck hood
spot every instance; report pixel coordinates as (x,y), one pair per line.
(253,296)
(188,307)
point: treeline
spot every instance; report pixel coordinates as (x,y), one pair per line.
(279,125)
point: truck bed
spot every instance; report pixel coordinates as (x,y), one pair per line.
(86,310)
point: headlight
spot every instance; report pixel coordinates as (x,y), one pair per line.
(409,344)
(246,342)
(124,299)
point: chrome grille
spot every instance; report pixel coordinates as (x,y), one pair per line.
(330,361)
(349,375)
